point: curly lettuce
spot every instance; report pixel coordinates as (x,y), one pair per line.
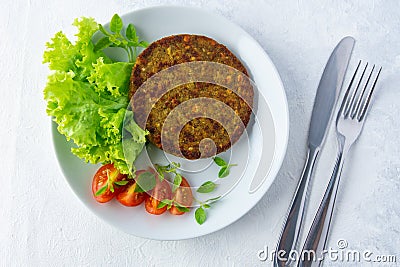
(87,96)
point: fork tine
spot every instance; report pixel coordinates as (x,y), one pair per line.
(346,100)
(350,106)
(356,107)
(363,111)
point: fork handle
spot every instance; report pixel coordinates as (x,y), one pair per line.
(318,234)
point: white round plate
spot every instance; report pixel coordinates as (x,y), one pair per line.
(152,24)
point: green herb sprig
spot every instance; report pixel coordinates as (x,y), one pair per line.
(169,203)
(207,187)
(200,214)
(225,167)
(110,184)
(170,168)
(129,42)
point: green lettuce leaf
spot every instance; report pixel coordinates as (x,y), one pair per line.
(134,139)
(87,96)
(61,54)
(81,113)
(87,56)
(112,78)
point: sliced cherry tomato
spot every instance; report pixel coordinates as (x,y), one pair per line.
(127,195)
(161,191)
(105,178)
(183,196)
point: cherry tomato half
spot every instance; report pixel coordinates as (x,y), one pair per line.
(183,196)
(161,191)
(127,195)
(105,176)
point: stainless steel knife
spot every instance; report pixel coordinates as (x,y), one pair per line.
(325,101)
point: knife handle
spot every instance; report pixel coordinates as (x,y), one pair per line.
(293,224)
(318,234)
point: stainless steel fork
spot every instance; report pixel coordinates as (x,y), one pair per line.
(349,123)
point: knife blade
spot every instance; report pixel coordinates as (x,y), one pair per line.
(327,93)
(326,97)
(328,90)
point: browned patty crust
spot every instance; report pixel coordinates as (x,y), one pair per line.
(174,50)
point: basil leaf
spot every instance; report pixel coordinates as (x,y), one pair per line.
(121,182)
(143,44)
(131,43)
(181,208)
(219,161)
(177,181)
(101,191)
(124,42)
(116,24)
(223,172)
(130,33)
(163,203)
(103,30)
(206,206)
(207,187)
(200,215)
(175,164)
(115,40)
(101,44)
(146,181)
(161,169)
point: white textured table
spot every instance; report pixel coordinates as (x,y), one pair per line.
(42,223)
